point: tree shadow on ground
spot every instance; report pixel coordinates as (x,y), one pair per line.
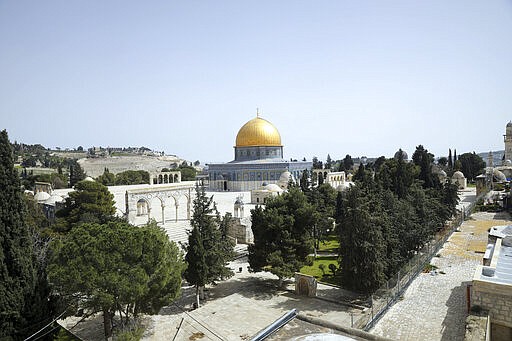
(454,323)
(501,216)
(310,305)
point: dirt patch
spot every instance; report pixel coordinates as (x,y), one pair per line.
(471,240)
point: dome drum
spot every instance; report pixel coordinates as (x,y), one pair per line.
(258,153)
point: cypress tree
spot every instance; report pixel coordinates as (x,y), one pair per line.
(76,173)
(17,274)
(320,179)
(450,161)
(328,162)
(362,245)
(197,269)
(215,245)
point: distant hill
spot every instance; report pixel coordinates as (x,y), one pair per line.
(94,167)
(497,156)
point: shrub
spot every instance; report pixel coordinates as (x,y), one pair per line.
(333,268)
(321,266)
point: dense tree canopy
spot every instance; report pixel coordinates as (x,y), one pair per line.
(363,249)
(188,173)
(348,163)
(89,202)
(283,234)
(471,165)
(117,267)
(17,271)
(384,219)
(107,178)
(132,177)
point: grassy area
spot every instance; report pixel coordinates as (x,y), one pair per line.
(331,244)
(315,271)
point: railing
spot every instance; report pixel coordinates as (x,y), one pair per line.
(390,292)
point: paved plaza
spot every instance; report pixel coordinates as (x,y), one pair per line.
(434,306)
(236,309)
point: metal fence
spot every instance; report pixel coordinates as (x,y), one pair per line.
(393,289)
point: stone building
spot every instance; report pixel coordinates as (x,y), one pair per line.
(492,288)
(258,159)
(507,138)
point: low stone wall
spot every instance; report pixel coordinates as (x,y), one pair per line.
(495,298)
(477,327)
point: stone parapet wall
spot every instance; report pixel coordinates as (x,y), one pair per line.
(495,298)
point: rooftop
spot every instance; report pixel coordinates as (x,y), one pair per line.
(500,269)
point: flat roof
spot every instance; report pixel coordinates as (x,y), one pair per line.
(501,231)
(500,270)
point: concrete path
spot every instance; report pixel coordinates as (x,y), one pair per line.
(434,306)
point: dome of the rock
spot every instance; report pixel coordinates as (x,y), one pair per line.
(258,132)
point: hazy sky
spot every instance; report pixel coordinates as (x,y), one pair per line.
(338,77)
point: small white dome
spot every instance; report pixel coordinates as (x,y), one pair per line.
(344,186)
(272,188)
(54,199)
(41,196)
(404,155)
(507,163)
(458,175)
(285,177)
(498,175)
(88,178)
(442,173)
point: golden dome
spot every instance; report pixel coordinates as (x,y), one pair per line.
(258,132)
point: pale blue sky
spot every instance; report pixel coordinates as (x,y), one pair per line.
(338,77)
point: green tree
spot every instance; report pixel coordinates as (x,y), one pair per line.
(442,161)
(107,178)
(17,272)
(215,243)
(424,160)
(328,162)
(323,199)
(197,270)
(362,246)
(317,164)
(360,174)
(471,165)
(76,173)
(116,268)
(450,161)
(305,181)
(320,179)
(188,173)
(90,202)
(132,177)
(283,234)
(347,163)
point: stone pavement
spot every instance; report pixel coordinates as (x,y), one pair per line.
(235,309)
(242,306)
(434,306)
